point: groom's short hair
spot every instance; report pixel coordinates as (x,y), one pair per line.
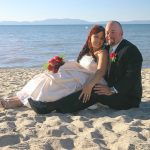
(116,22)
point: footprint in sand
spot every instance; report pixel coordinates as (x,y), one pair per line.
(6,140)
(67,143)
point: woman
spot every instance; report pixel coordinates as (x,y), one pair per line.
(73,76)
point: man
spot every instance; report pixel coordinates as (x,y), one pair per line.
(124,74)
(124,88)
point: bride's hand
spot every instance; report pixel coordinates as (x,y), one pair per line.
(86,93)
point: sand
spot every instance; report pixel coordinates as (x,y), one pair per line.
(100,129)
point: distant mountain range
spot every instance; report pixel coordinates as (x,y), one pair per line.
(67,22)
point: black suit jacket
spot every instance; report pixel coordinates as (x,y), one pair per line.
(125,73)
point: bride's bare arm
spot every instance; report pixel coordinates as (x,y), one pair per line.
(102,58)
(101,67)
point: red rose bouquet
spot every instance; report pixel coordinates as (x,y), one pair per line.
(54,64)
(113,56)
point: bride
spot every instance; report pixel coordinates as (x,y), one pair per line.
(73,76)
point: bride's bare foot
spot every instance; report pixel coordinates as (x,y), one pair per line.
(11,102)
(11,98)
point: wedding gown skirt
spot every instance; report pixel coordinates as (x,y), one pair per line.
(49,87)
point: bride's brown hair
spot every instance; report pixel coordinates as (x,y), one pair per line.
(87,48)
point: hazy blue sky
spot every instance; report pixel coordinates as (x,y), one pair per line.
(90,10)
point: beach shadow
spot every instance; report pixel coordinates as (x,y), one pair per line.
(143,112)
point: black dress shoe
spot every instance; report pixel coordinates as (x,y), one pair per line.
(41,107)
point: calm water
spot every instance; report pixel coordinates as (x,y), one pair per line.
(31,46)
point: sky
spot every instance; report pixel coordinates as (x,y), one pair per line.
(89,10)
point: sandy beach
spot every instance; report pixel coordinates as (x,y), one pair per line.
(99,129)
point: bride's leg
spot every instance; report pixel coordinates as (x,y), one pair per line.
(11,102)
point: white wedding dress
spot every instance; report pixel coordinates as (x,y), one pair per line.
(49,87)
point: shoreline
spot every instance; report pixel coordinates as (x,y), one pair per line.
(103,128)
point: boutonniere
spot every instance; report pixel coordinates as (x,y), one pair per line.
(113,57)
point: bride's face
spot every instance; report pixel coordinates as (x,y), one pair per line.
(97,40)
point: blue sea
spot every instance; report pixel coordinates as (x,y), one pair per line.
(32,46)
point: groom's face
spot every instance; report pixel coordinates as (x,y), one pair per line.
(113,33)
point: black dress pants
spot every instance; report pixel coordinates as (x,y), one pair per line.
(71,103)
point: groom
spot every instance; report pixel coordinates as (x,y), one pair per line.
(124,88)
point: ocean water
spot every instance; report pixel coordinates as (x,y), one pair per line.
(32,46)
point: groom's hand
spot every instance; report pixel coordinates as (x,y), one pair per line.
(102,89)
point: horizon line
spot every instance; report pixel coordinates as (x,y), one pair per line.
(71,19)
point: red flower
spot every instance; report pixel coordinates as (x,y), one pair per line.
(52,61)
(113,56)
(50,67)
(54,64)
(58,59)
